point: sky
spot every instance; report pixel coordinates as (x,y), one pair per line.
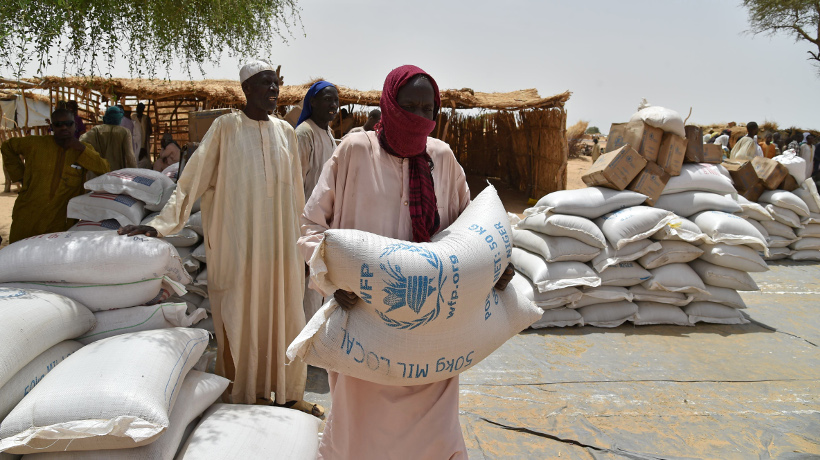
(678,54)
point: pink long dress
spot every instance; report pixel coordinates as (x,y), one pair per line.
(364,188)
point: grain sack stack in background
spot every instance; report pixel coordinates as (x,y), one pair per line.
(808,247)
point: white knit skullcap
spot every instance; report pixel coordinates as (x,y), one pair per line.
(252,68)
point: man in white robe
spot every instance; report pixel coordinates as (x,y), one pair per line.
(747,148)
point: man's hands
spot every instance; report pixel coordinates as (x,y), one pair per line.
(134,230)
(505,278)
(345,299)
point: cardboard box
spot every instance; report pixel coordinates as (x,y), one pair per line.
(712,153)
(199,122)
(743,174)
(650,181)
(645,139)
(671,153)
(754,192)
(770,172)
(694,144)
(615,140)
(789,183)
(615,169)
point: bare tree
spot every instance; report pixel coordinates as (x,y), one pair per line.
(798,18)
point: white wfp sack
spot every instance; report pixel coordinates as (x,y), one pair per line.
(760,228)
(202,278)
(86,257)
(151,187)
(590,202)
(602,294)
(642,294)
(135,319)
(681,229)
(739,257)
(753,210)
(558,317)
(710,312)
(812,219)
(809,231)
(195,223)
(453,318)
(779,242)
(545,300)
(608,314)
(806,254)
(185,238)
(99,206)
(197,392)
(632,224)
(29,376)
(774,228)
(721,227)
(685,204)
(31,322)
(146,370)
(778,253)
(700,176)
(172,171)
(88,226)
(786,200)
(557,275)
(671,252)
(554,248)
(580,228)
(659,313)
(808,243)
(784,216)
(200,254)
(101,297)
(252,433)
(725,296)
(624,274)
(611,256)
(795,165)
(808,193)
(675,278)
(715,275)
(666,119)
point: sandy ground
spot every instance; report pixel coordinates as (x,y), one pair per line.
(6,205)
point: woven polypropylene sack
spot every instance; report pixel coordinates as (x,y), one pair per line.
(809,231)
(633,224)
(32,321)
(151,187)
(808,243)
(200,254)
(580,228)
(808,193)
(202,278)
(795,164)
(87,226)
(590,202)
(99,206)
(659,313)
(674,278)
(710,312)
(671,252)
(545,300)
(195,223)
(814,218)
(137,379)
(556,275)
(685,204)
(666,119)
(624,274)
(558,317)
(642,294)
(806,254)
(632,251)
(739,257)
(779,242)
(252,432)
(784,216)
(786,200)
(774,228)
(608,314)
(715,275)
(757,225)
(753,210)
(721,227)
(33,373)
(602,294)
(700,176)
(145,318)
(725,296)
(681,229)
(197,392)
(427,311)
(185,238)
(554,248)
(778,253)
(90,257)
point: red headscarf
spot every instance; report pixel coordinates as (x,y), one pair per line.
(404,134)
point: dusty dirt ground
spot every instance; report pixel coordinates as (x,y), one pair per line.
(6,205)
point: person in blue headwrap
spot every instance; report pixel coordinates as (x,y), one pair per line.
(316,145)
(112,140)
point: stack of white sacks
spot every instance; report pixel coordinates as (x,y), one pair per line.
(130,396)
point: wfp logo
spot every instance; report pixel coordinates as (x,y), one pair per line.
(411,291)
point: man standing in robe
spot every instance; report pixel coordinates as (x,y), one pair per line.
(316,145)
(248,174)
(746,147)
(53,173)
(806,152)
(112,140)
(143,122)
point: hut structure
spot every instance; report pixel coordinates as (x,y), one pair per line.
(517,137)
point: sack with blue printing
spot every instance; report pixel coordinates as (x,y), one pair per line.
(99,206)
(151,187)
(427,312)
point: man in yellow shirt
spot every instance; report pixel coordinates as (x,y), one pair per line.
(53,173)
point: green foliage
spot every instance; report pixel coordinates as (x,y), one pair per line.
(798,18)
(593,130)
(88,36)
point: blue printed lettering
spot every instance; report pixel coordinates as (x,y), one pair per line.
(362,348)
(422,372)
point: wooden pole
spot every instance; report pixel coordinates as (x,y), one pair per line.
(25,104)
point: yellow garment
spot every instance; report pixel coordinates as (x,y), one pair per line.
(596,152)
(114,144)
(51,176)
(744,150)
(250,180)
